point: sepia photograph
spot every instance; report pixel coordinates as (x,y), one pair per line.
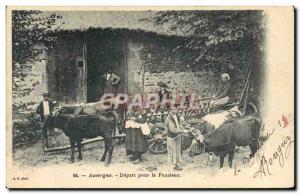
(150,97)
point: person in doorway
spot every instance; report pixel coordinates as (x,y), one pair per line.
(44,110)
(112,82)
(174,131)
(223,95)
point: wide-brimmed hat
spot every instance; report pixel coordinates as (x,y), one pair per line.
(46,94)
(162,84)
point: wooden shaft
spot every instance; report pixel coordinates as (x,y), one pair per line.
(82,143)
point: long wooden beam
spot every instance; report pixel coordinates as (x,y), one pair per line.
(82,143)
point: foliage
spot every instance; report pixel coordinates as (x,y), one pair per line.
(218,36)
(26,130)
(29,29)
(222,41)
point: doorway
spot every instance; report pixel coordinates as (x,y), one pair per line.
(105,50)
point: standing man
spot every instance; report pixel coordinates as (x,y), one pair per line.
(161,93)
(112,82)
(174,131)
(44,109)
(112,85)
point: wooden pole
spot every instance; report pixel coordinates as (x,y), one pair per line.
(84,81)
(246,85)
(246,99)
(97,139)
(143,78)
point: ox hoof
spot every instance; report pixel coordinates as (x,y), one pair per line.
(80,158)
(221,170)
(71,160)
(102,159)
(106,164)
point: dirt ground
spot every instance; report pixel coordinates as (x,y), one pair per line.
(34,156)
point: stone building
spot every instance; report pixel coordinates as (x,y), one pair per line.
(87,47)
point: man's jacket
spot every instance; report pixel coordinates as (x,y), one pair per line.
(170,126)
(40,109)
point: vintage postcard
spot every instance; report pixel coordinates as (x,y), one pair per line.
(150,97)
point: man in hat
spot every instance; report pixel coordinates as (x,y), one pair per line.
(223,94)
(174,131)
(112,82)
(161,93)
(44,109)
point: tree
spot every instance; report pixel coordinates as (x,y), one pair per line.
(223,38)
(217,35)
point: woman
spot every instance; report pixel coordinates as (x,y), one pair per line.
(136,129)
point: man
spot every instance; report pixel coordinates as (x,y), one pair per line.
(161,93)
(44,109)
(112,82)
(222,96)
(174,131)
(112,85)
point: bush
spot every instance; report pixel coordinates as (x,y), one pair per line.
(26,130)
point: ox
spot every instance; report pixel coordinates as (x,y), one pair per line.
(242,131)
(85,126)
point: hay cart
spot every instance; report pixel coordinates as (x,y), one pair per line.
(157,144)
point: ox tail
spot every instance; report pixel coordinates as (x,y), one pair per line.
(254,143)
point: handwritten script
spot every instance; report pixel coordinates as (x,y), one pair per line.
(280,155)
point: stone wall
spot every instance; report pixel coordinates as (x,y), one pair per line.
(36,80)
(201,82)
(175,72)
(134,67)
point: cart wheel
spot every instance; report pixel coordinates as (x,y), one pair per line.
(158,142)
